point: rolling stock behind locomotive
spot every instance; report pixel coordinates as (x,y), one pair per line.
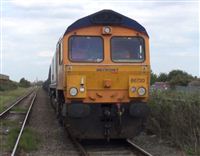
(99,76)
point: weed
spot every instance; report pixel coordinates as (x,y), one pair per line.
(176,116)
(6,123)
(9,96)
(28,142)
(18,109)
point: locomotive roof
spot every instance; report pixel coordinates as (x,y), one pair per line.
(106,17)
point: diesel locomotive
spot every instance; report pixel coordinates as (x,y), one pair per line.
(100,77)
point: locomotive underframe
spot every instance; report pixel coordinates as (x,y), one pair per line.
(100,121)
(97,121)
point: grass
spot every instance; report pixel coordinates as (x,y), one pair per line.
(175,116)
(20,110)
(10,95)
(8,123)
(29,141)
(8,85)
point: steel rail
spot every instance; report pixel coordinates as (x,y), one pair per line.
(77,144)
(15,103)
(138,148)
(23,126)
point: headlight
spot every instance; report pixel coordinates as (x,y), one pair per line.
(73,91)
(141,91)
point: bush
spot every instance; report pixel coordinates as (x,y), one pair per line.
(153,78)
(8,85)
(176,117)
(162,77)
(24,83)
(179,77)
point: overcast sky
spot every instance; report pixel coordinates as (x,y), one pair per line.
(30,30)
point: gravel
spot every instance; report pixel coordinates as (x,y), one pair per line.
(53,138)
(156,146)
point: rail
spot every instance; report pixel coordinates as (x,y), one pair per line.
(2,114)
(23,126)
(138,148)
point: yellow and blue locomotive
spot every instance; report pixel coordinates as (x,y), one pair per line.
(100,76)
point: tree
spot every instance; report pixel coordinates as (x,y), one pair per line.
(24,83)
(162,77)
(153,78)
(179,77)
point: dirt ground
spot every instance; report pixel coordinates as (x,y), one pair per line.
(53,139)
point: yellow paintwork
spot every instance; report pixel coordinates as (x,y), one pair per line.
(76,81)
(137,82)
(118,75)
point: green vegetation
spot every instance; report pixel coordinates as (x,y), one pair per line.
(175,116)
(8,85)
(28,142)
(174,77)
(163,77)
(10,90)
(20,110)
(10,96)
(6,123)
(153,78)
(178,77)
(24,83)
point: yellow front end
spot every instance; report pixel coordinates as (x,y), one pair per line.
(105,81)
(107,84)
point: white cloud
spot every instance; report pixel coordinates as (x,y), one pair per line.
(33,3)
(45,54)
(24,27)
(24,3)
(183,54)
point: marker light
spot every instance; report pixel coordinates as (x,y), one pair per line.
(133,89)
(141,91)
(82,89)
(73,91)
(106,30)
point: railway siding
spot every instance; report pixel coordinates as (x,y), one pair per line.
(13,121)
(9,97)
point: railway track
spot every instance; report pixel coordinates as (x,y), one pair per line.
(20,116)
(118,147)
(137,148)
(6,111)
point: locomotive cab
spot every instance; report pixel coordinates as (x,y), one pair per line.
(102,73)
